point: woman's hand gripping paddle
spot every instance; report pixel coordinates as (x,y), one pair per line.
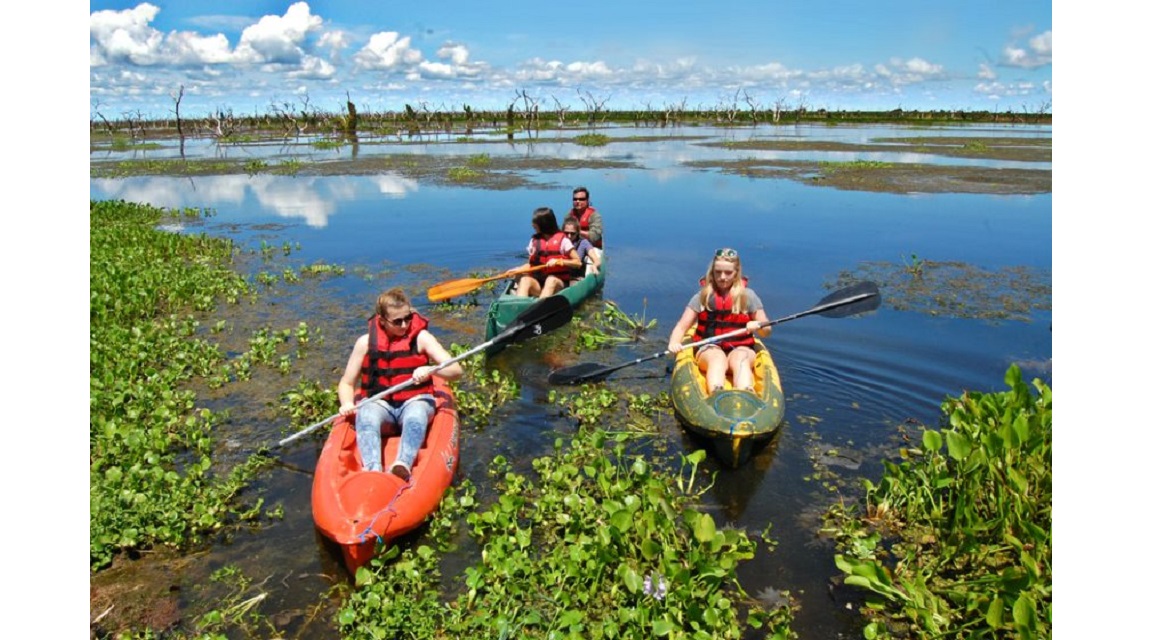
(546,315)
(849,301)
(463,286)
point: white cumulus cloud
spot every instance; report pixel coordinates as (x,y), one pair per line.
(1037,53)
(386,51)
(278,38)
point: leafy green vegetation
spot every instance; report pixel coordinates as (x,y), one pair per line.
(611,327)
(463,174)
(479,160)
(956,540)
(481,391)
(591,140)
(151,476)
(599,543)
(854,164)
(309,402)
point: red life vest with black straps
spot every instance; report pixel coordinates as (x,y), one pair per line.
(390,361)
(717,318)
(586,222)
(548,249)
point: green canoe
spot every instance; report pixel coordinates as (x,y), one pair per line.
(734,422)
(509,305)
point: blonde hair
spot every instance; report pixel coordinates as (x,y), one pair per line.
(394,298)
(739,304)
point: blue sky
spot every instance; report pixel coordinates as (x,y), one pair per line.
(249,55)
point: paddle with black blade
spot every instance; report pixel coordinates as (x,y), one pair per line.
(546,315)
(849,301)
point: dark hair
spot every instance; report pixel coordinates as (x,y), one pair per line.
(545,221)
(585,190)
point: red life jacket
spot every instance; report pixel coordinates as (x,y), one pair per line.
(720,319)
(547,250)
(390,361)
(586,222)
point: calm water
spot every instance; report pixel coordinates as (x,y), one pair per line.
(850,382)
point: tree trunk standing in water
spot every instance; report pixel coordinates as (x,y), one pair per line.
(352,120)
(179,124)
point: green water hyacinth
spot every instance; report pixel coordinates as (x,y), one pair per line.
(151,475)
(972,509)
(596,543)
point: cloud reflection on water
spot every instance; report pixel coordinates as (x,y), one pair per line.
(311,199)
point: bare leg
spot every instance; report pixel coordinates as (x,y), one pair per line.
(715,367)
(552,284)
(527,286)
(740,362)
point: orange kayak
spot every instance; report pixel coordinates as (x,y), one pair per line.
(361,510)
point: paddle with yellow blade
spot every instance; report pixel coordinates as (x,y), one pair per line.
(462,286)
(849,301)
(549,313)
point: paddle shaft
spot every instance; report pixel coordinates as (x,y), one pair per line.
(387,392)
(454,288)
(820,308)
(540,317)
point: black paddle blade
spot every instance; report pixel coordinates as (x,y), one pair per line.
(546,315)
(857,298)
(576,374)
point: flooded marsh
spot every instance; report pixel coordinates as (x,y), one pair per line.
(961,247)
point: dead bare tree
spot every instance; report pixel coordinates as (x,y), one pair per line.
(531,109)
(730,110)
(135,121)
(801,108)
(673,113)
(286,113)
(753,106)
(351,119)
(592,106)
(780,105)
(177,98)
(107,125)
(561,110)
(224,124)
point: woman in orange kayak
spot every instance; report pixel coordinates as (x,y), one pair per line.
(397,348)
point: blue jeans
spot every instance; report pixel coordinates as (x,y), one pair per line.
(412,416)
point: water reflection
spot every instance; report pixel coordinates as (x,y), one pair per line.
(309,199)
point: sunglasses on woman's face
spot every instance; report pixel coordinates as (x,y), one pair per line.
(399,322)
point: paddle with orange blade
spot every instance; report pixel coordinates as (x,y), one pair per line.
(454,288)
